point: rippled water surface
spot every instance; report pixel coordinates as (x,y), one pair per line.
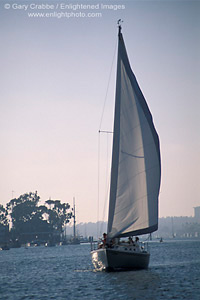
(66,272)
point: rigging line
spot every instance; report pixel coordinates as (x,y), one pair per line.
(105,203)
(107,182)
(98,184)
(105,131)
(106,177)
(98,196)
(108,86)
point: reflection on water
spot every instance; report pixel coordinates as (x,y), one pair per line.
(66,272)
(134,284)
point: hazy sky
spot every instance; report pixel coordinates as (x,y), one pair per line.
(53,81)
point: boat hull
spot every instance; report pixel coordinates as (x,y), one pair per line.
(114,259)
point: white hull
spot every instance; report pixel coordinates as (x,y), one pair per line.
(120,258)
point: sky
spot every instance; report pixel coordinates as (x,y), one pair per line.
(55,74)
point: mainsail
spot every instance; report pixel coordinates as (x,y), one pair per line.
(136,168)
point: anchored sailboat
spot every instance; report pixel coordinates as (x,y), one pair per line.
(135,174)
(75,240)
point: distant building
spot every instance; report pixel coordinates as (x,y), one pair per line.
(197,214)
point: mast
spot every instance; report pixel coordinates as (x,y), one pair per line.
(74,216)
(119,22)
(135,170)
(116,141)
(173,235)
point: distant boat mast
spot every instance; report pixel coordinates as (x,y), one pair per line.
(173,235)
(74,216)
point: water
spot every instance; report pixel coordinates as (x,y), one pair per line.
(66,272)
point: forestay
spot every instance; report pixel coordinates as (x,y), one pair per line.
(135,172)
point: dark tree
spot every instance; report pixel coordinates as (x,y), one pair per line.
(23,209)
(58,214)
(28,218)
(4,227)
(31,221)
(3,216)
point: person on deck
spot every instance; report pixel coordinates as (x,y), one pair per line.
(104,239)
(137,243)
(137,240)
(130,240)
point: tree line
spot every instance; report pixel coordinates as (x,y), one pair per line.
(24,220)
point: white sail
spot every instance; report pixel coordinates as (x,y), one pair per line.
(135,173)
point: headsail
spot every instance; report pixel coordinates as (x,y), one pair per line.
(136,168)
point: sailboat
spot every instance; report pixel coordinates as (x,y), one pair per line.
(75,240)
(135,175)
